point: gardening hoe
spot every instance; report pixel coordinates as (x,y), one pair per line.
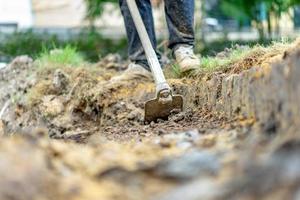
(165,102)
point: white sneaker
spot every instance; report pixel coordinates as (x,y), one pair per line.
(134,71)
(186,59)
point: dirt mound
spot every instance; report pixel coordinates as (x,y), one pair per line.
(75,133)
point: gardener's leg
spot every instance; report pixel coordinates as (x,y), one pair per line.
(135,49)
(180,20)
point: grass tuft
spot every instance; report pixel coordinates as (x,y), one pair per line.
(210,64)
(239,58)
(65,56)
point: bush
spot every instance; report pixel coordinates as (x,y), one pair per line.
(20,43)
(93,46)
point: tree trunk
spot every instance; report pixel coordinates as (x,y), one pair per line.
(269,24)
(260,29)
(277,28)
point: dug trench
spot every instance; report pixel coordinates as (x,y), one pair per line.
(78,132)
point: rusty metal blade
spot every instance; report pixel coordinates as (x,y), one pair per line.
(154,109)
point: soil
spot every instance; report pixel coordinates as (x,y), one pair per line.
(77,133)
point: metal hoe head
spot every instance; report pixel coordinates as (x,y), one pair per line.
(164,103)
(161,107)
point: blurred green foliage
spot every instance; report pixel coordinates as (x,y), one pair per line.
(65,56)
(89,44)
(213,48)
(259,11)
(95,9)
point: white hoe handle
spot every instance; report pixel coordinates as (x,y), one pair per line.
(160,81)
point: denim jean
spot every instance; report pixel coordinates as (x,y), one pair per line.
(180,22)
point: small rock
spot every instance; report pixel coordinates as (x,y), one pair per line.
(134,115)
(51,106)
(116,58)
(60,80)
(177,117)
(21,61)
(119,107)
(160,121)
(189,165)
(152,124)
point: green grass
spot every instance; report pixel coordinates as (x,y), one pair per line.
(236,54)
(176,70)
(64,56)
(210,64)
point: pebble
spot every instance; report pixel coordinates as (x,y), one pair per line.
(60,80)
(152,124)
(177,118)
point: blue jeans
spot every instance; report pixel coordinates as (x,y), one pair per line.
(180,21)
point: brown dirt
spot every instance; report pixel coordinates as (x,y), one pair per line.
(73,133)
